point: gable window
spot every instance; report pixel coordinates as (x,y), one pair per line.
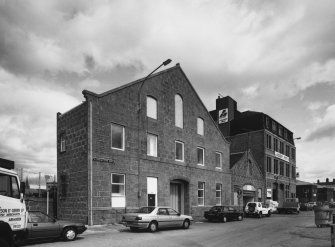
(152,145)
(200,156)
(218,193)
(178,104)
(201,193)
(218,160)
(117,137)
(62,142)
(200,126)
(280,130)
(151,107)
(179,151)
(118,190)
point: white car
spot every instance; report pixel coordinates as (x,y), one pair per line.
(256,209)
(153,218)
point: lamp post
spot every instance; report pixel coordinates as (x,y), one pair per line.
(166,62)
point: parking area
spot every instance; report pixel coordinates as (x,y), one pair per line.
(277,230)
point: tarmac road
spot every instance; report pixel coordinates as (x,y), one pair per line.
(278,230)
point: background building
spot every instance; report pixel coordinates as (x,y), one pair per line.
(271,144)
(306,192)
(150,142)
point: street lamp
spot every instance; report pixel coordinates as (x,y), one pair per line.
(166,62)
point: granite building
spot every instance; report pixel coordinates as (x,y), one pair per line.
(150,142)
(270,142)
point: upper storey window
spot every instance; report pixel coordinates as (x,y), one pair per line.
(117,137)
(200,126)
(151,107)
(274,126)
(178,104)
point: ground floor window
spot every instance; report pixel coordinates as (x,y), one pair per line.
(118,190)
(218,194)
(201,193)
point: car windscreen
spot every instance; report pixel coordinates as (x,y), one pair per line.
(146,210)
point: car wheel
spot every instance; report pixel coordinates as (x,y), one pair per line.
(153,227)
(240,218)
(69,234)
(269,214)
(186,224)
(224,219)
(260,215)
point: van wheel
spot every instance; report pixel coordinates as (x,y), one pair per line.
(3,242)
(269,214)
(153,227)
(260,215)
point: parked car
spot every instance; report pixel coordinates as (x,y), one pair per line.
(154,218)
(40,226)
(256,209)
(223,214)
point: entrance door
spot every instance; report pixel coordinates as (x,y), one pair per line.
(175,196)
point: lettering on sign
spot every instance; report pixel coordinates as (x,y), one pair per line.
(104,160)
(282,156)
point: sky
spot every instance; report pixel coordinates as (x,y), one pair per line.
(276,57)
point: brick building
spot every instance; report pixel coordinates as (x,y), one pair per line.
(247,179)
(271,144)
(149,142)
(306,192)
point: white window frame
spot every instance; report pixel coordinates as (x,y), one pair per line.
(200,126)
(123,136)
(152,107)
(179,111)
(183,154)
(203,156)
(218,199)
(62,143)
(118,199)
(155,141)
(220,154)
(201,188)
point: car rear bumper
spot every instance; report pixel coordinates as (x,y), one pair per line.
(136,224)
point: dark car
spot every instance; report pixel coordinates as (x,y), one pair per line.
(223,214)
(42,227)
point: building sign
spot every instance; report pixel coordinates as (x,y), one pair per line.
(223,116)
(282,156)
(269,193)
(104,160)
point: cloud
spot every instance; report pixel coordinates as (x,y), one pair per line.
(325,126)
(28,120)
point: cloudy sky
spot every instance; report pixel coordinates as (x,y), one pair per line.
(277,57)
